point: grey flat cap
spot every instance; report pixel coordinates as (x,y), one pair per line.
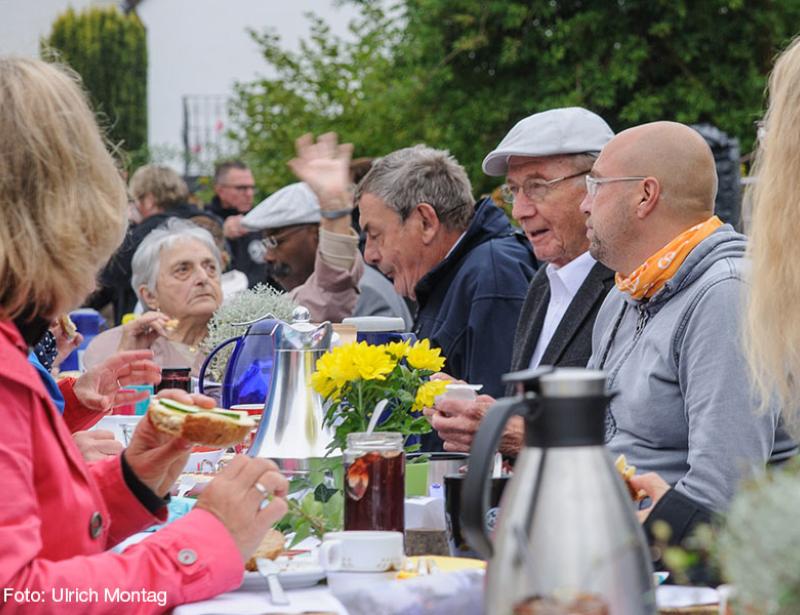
(292,204)
(570,130)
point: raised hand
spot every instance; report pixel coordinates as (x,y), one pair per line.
(325,167)
(100,388)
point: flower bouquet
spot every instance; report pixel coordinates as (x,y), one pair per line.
(353,378)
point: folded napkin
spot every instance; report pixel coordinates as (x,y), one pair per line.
(680,596)
(424,513)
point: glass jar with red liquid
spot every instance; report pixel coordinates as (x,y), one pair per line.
(374,482)
(175,378)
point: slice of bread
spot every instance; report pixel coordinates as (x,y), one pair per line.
(67,326)
(218,428)
(627,472)
(271,547)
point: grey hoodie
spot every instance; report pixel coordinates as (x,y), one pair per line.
(684,407)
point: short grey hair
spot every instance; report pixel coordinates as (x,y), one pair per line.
(421,174)
(166,187)
(147,258)
(585,161)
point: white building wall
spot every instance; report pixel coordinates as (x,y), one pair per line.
(195,47)
(201,47)
(24,22)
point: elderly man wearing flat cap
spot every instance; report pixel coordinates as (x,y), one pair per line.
(296,245)
(545,158)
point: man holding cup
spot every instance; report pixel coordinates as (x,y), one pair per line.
(545,158)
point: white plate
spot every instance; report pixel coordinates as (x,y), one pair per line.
(203,462)
(121,425)
(294,575)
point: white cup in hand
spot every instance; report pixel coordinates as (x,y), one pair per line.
(461,391)
(362,551)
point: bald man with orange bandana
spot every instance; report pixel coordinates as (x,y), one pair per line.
(668,336)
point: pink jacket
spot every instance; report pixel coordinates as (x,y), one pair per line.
(59,516)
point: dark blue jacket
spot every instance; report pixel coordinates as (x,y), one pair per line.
(468,305)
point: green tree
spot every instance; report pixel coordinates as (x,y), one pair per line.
(329,84)
(109,51)
(631,61)
(458,74)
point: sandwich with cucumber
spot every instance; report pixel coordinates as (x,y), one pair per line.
(210,427)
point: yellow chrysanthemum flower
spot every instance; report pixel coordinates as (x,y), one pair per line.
(398,349)
(334,370)
(343,367)
(372,362)
(324,386)
(427,392)
(422,356)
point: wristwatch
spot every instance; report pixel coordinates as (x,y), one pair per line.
(335,214)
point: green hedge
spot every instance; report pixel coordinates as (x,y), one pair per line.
(109,51)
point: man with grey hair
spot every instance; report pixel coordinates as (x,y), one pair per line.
(464,264)
(545,158)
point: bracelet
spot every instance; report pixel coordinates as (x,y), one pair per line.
(335,214)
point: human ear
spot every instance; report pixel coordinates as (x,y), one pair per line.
(428,221)
(649,197)
(149,298)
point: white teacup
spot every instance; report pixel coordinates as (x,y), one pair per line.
(362,551)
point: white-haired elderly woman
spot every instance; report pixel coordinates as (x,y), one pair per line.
(176,276)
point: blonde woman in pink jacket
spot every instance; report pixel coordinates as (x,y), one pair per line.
(62,206)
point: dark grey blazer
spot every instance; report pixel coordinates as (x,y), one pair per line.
(571,344)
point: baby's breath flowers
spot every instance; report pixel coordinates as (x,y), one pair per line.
(355,377)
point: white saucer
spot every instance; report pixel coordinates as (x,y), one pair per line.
(294,575)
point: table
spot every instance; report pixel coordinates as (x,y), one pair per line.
(317,599)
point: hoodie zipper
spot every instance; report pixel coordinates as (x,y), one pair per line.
(641,321)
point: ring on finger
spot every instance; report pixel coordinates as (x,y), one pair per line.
(265,495)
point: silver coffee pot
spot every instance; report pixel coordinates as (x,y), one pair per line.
(567,533)
(292,432)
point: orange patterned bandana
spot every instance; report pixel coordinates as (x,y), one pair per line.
(651,275)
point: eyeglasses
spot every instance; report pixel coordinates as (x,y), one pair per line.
(593,183)
(534,189)
(271,242)
(240,187)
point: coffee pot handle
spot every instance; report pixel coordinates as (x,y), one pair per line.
(201,378)
(475,499)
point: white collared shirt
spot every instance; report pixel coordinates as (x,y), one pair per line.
(453,247)
(564,285)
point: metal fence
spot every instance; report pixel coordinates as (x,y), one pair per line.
(205,127)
